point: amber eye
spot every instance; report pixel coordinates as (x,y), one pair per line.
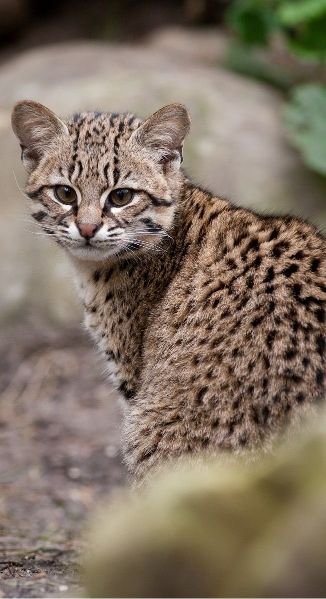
(120,197)
(65,194)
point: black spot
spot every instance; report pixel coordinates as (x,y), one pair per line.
(320,344)
(202,211)
(243,440)
(147,454)
(300,398)
(39,216)
(315,264)
(290,270)
(225,313)
(257,321)
(265,413)
(212,217)
(105,170)
(250,282)
(94,309)
(294,377)
(96,276)
(200,394)
(231,263)
(290,354)
(215,422)
(279,248)
(160,201)
(108,296)
(319,377)
(239,238)
(271,307)
(253,245)
(295,326)
(128,393)
(219,287)
(269,289)
(320,315)
(109,274)
(298,255)
(305,362)
(243,302)
(257,262)
(255,415)
(231,427)
(296,290)
(270,339)
(269,275)
(274,234)
(266,361)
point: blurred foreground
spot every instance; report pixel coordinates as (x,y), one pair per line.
(219,529)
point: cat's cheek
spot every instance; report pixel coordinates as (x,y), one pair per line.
(73,232)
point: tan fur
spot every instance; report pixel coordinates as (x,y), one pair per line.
(210,317)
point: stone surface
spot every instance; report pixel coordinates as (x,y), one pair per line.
(237,147)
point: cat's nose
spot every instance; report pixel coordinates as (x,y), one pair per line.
(87,230)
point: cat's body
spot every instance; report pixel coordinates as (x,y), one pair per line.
(210,317)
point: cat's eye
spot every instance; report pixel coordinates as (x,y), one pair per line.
(120,197)
(65,194)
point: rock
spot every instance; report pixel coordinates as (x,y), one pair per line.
(206,46)
(219,529)
(237,147)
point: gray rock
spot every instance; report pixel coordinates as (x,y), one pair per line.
(237,148)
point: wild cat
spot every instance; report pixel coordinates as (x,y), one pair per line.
(210,317)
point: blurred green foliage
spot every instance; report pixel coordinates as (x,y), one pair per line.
(302,25)
(301,22)
(305,116)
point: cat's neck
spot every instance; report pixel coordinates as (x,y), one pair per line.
(120,296)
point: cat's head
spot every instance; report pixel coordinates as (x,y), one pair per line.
(102,184)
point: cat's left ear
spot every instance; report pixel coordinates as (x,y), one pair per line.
(36,128)
(163,133)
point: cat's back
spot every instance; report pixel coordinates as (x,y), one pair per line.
(245,314)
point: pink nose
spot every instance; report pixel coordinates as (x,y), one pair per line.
(87,230)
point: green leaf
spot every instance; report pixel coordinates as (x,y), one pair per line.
(299,11)
(309,41)
(252,20)
(305,117)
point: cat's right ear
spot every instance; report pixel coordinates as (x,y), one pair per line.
(36,127)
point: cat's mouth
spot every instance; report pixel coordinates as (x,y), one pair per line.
(95,251)
(87,251)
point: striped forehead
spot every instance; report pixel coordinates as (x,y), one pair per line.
(96,140)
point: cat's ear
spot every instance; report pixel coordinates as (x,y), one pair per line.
(164,132)
(36,127)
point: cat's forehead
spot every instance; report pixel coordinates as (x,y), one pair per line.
(101,130)
(97,152)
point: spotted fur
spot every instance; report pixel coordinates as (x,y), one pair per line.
(211,318)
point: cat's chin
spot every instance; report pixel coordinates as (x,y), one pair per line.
(92,253)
